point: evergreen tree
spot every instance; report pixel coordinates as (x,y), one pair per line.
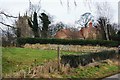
(45,22)
(34,25)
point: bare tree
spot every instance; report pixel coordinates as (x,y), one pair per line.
(4,16)
(104,13)
(34,8)
(68,2)
(9,35)
(53,28)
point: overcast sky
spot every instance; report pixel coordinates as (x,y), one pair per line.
(60,12)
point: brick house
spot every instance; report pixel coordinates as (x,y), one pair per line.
(63,34)
(88,32)
(68,34)
(91,32)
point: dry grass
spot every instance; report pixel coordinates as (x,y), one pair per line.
(50,70)
(71,48)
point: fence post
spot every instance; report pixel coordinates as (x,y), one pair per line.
(58,51)
(118,52)
(119,49)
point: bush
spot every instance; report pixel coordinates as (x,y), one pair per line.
(22,41)
(76,60)
(116,37)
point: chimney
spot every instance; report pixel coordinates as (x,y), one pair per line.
(90,27)
(90,24)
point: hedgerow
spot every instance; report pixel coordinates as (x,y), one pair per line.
(23,41)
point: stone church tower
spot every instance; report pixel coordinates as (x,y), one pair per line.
(24,29)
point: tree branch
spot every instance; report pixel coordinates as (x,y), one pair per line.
(75,3)
(7,25)
(8,15)
(61,3)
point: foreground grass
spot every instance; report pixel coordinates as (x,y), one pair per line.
(100,71)
(15,59)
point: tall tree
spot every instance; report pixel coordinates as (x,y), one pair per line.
(102,24)
(104,15)
(34,25)
(45,22)
(8,30)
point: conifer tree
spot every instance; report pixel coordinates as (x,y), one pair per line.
(34,25)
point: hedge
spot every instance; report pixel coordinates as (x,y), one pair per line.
(23,41)
(115,37)
(84,59)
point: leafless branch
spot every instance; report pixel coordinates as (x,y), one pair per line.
(7,15)
(34,8)
(61,2)
(3,30)
(68,5)
(39,6)
(7,25)
(75,3)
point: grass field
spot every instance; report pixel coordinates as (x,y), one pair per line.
(16,59)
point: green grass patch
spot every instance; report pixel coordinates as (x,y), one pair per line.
(15,59)
(94,72)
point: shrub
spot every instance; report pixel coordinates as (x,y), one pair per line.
(116,37)
(84,59)
(22,41)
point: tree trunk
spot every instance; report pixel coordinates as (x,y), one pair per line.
(106,32)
